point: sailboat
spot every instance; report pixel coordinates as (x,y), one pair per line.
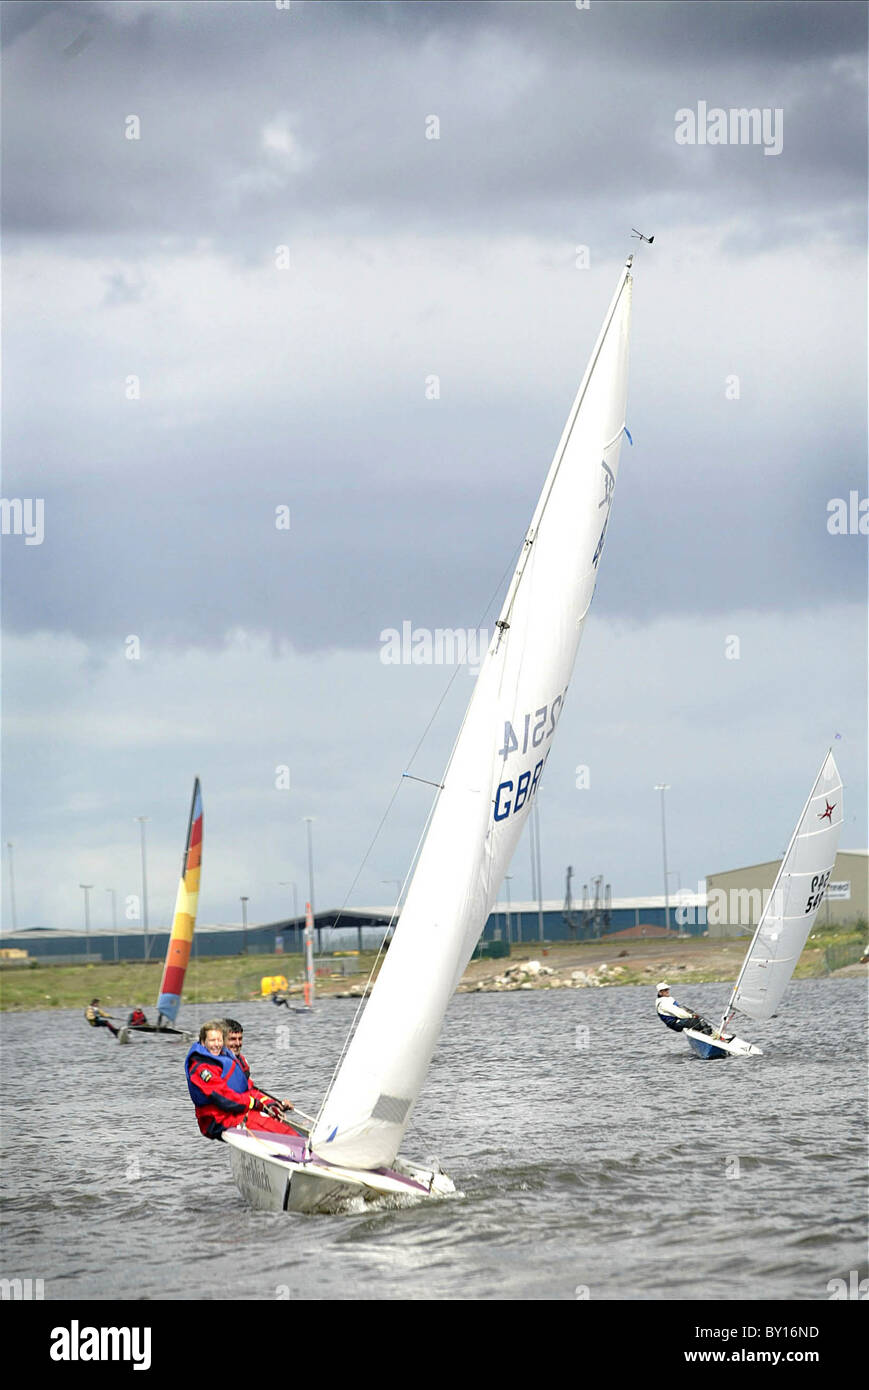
(786,920)
(181,936)
(481,807)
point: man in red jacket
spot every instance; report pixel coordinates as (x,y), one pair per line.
(234,1035)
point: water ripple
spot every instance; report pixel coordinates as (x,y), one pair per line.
(581,1167)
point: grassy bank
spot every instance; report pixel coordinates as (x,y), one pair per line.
(692,960)
(137,982)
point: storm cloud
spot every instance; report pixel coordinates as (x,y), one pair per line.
(340,266)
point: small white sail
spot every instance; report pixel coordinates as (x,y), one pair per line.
(494,771)
(793,904)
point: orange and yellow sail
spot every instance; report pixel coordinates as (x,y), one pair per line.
(184,923)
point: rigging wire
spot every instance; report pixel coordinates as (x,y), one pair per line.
(404,776)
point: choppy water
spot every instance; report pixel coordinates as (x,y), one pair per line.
(587,1161)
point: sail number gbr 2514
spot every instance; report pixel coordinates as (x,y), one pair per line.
(536,730)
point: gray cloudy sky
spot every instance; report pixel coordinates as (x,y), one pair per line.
(259,387)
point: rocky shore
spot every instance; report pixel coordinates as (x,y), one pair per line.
(601,964)
(530,974)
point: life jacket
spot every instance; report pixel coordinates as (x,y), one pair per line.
(231,1073)
(92,1013)
(229,1099)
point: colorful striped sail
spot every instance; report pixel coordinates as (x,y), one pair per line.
(184,922)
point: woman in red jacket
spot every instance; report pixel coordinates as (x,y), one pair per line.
(219,1089)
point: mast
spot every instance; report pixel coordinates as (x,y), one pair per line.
(494,771)
(543,501)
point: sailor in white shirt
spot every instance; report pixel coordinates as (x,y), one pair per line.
(673,1014)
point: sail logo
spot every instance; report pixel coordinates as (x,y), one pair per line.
(737,126)
(445,646)
(23,516)
(76,1343)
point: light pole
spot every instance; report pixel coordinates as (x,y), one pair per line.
(86,887)
(114,921)
(12,886)
(288,883)
(146,948)
(664,787)
(244,902)
(309,821)
(535,831)
(533,859)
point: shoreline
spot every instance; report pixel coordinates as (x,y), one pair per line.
(530,966)
(606,964)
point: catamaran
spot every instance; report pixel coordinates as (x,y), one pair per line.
(786,920)
(480,809)
(181,936)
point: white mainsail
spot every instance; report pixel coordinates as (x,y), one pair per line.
(793,904)
(493,773)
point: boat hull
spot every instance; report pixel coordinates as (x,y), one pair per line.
(126,1033)
(711,1049)
(274,1173)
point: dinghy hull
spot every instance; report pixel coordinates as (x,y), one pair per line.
(126,1033)
(273,1173)
(710,1049)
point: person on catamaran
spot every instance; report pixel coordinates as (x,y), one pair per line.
(675,1017)
(137,1016)
(219,1088)
(97,1019)
(234,1035)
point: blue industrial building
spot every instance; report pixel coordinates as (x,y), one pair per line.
(363,928)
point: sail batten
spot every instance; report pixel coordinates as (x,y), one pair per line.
(184,918)
(493,773)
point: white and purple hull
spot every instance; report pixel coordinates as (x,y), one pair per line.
(274,1172)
